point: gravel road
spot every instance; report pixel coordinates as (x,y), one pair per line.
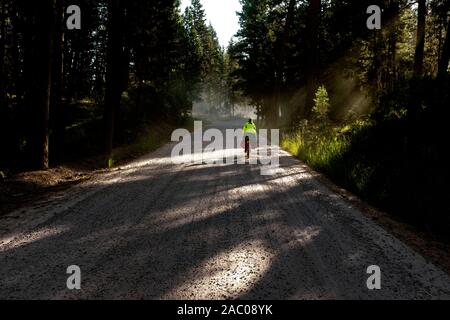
(158,230)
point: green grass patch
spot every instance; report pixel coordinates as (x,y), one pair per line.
(336,152)
(381,164)
(319,150)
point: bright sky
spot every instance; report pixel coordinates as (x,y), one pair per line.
(222,15)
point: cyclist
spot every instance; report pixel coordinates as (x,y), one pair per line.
(249,127)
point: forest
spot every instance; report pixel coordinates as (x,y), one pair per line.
(369,108)
(70,93)
(366,107)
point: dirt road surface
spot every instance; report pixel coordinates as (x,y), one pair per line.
(158,230)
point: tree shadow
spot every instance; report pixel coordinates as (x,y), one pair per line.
(220,232)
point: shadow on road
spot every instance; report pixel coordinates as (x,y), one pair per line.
(207,231)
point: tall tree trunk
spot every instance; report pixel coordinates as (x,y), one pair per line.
(412,138)
(16,83)
(393,16)
(416,86)
(445,56)
(279,62)
(57,106)
(2,53)
(42,93)
(113,74)
(27,112)
(125,57)
(313,56)
(420,45)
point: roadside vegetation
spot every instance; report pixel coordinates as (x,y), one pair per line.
(369,108)
(112,89)
(77,102)
(395,162)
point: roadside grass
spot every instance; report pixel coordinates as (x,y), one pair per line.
(322,151)
(371,160)
(343,154)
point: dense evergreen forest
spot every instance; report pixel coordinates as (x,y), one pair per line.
(131,63)
(367,107)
